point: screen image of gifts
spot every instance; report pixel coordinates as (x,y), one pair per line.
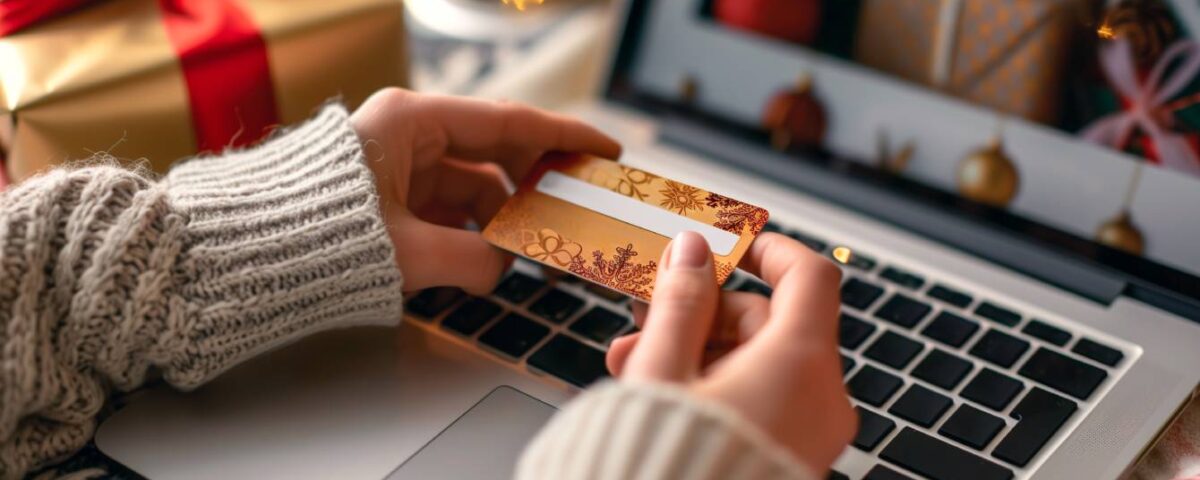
(1080,115)
(609,223)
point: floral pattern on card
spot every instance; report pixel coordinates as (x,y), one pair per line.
(546,245)
(620,273)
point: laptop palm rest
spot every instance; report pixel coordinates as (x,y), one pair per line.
(485,442)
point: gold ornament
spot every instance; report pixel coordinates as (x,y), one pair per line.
(988,176)
(1121,233)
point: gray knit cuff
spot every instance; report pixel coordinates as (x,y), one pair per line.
(622,430)
(282,240)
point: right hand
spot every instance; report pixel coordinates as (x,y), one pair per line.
(773,360)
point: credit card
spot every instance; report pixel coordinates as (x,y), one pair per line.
(609,223)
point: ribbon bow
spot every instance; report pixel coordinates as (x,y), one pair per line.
(1146,99)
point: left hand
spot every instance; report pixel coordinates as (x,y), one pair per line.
(441,160)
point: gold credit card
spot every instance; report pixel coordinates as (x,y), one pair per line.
(609,223)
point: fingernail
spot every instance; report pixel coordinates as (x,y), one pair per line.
(689,250)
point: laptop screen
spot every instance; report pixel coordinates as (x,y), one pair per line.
(1075,122)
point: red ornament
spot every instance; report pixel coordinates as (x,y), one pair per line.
(792,20)
(795,117)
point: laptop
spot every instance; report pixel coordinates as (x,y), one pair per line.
(977,341)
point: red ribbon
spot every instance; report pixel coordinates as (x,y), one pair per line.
(225,65)
(18,14)
(221,52)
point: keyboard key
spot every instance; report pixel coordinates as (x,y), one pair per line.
(852,331)
(1039,329)
(882,472)
(992,389)
(1100,353)
(1063,373)
(599,324)
(860,261)
(950,329)
(894,350)
(1039,416)
(950,295)
(556,306)
(847,364)
(433,301)
(942,369)
(514,335)
(606,293)
(873,386)
(836,475)
(570,360)
(872,428)
(972,427)
(998,314)
(752,285)
(921,406)
(903,310)
(999,348)
(472,315)
(939,460)
(859,294)
(518,287)
(772,227)
(809,241)
(902,278)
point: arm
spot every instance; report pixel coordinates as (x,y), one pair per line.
(108,273)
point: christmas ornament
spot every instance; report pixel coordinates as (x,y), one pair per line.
(792,20)
(1145,24)
(795,117)
(988,176)
(1120,231)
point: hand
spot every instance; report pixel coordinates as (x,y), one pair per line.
(440,160)
(775,361)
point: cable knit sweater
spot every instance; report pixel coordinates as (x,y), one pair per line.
(108,276)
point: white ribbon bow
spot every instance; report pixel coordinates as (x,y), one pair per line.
(1146,98)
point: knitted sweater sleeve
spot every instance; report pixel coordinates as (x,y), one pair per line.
(645,431)
(107,275)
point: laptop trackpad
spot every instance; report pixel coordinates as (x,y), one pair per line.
(483,443)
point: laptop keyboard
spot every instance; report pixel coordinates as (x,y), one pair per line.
(947,385)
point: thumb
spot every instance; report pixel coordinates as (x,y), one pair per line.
(681,313)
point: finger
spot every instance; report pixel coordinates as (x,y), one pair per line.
(618,352)
(477,189)
(806,295)
(681,313)
(483,130)
(739,316)
(437,249)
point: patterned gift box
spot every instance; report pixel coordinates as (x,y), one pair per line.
(1004,54)
(164,79)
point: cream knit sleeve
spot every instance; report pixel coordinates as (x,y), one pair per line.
(107,275)
(641,431)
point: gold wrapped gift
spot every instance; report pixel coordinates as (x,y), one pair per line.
(164,79)
(1005,54)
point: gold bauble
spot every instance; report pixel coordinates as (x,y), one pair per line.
(1120,232)
(988,176)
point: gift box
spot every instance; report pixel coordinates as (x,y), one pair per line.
(1005,54)
(160,80)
